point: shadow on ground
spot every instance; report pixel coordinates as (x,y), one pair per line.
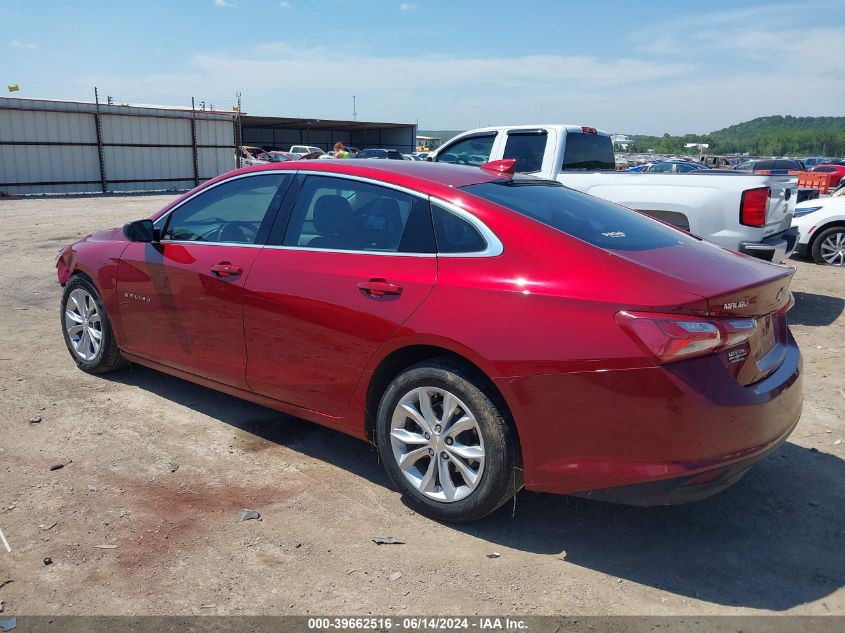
(775,540)
(813,309)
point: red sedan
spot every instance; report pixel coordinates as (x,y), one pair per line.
(838,172)
(484,330)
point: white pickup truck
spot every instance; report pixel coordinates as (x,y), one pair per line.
(743,212)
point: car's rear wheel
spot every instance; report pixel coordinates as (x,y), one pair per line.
(829,247)
(446,444)
(87,330)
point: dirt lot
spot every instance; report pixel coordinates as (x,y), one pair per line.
(773,543)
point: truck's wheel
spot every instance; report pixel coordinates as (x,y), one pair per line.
(829,246)
(87,330)
(445,444)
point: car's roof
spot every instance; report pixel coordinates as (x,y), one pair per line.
(394,171)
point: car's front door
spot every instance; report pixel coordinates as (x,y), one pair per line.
(180,299)
(355,262)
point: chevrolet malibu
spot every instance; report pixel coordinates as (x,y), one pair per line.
(485,331)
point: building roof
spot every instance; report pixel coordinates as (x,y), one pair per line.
(314,123)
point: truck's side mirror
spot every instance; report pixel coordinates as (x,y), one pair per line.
(139,231)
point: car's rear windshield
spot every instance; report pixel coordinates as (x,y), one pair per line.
(593,220)
(588,151)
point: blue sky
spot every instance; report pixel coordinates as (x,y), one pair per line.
(636,67)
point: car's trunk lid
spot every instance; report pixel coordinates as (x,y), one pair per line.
(734,286)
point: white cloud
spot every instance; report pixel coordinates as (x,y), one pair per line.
(224,3)
(407,6)
(284,4)
(19,44)
(726,69)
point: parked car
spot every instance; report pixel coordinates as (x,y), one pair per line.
(812,161)
(428,308)
(743,212)
(303,150)
(822,226)
(776,166)
(837,170)
(716,162)
(250,155)
(391,154)
(668,167)
(277,157)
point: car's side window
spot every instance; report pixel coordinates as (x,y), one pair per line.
(230,213)
(527,148)
(454,234)
(351,215)
(474,150)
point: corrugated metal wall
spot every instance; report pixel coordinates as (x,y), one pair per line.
(54,147)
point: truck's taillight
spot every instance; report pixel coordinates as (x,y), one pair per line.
(671,337)
(589,130)
(752,208)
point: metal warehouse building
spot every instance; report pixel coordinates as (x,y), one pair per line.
(73,147)
(77,147)
(280,133)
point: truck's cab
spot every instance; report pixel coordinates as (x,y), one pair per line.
(543,150)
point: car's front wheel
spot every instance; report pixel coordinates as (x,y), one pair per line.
(87,330)
(829,247)
(446,444)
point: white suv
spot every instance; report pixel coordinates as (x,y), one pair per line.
(821,223)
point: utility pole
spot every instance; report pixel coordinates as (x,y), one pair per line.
(99,129)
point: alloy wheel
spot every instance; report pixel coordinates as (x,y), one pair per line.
(437,444)
(83,324)
(833,249)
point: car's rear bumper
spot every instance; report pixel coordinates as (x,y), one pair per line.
(682,489)
(773,249)
(589,431)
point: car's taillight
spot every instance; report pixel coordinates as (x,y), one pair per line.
(671,337)
(589,130)
(752,208)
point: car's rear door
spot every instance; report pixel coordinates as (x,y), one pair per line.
(354,261)
(180,299)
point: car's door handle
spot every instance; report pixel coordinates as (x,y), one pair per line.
(224,269)
(379,287)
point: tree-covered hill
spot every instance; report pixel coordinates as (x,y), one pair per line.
(765,136)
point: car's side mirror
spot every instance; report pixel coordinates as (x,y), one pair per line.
(139,231)
(428,158)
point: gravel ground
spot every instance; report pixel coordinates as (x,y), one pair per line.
(133,534)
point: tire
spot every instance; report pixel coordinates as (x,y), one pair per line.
(482,452)
(83,318)
(829,247)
